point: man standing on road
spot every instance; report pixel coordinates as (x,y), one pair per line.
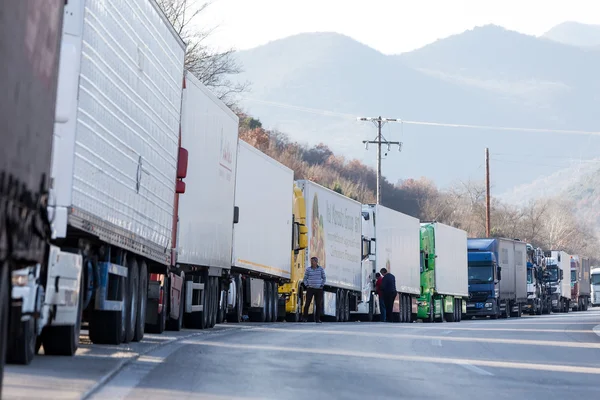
(388,287)
(314,281)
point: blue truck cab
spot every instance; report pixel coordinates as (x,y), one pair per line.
(484,277)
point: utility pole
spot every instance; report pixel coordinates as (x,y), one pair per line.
(487,192)
(379,140)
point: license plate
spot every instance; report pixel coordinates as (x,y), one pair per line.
(479,305)
(470,304)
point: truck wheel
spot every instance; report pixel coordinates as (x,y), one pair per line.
(235,315)
(160,323)
(4,302)
(451,317)
(268,300)
(64,340)
(21,347)
(275,309)
(132,287)
(297,315)
(222,308)
(347,307)
(142,295)
(431,316)
(216,300)
(212,318)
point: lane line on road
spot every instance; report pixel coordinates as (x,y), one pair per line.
(130,376)
(475,369)
(587,345)
(135,357)
(435,360)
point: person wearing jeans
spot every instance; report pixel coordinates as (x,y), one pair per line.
(314,281)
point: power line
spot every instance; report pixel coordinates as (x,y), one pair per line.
(427,123)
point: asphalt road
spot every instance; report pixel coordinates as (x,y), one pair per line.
(553,356)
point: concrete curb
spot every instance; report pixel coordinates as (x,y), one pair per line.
(125,362)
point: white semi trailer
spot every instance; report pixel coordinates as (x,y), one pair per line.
(334,232)
(393,240)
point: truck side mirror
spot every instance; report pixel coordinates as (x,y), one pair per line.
(499,273)
(561,274)
(236,214)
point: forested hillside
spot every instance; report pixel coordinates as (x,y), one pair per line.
(550,223)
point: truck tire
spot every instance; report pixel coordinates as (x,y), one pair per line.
(275,302)
(64,340)
(4,302)
(133,289)
(221,307)
(235,316)
(268,301)
(142,294)
(297,315)
(451,317)
(21,348)
(176,324)
(346,306)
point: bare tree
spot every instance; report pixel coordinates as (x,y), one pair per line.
(213,68)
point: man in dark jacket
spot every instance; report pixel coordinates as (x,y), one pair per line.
(388,287)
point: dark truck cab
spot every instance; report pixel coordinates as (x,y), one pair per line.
(484,277)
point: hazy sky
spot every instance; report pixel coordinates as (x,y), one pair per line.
(390,26)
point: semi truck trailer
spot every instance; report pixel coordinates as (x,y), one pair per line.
(261,236)
(193,293)
(595,285)
(580,283)
(497,277)
(30,45)
(538,301)
(558,266)
(392,242)
(334,234)
(444,273)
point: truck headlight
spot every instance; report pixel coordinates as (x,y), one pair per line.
(20,277)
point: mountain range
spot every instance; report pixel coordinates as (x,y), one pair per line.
(313,86)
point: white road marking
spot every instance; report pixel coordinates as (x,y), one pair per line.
(475,369)
(129,377)
(436,342)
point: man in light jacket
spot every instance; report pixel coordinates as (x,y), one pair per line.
(314,281)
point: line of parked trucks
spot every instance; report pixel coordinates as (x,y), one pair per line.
(127,203)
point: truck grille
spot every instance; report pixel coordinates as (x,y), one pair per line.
(478,296)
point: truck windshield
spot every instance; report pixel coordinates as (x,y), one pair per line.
(596,279)
(481,273)
(529,275)
(573,275)
(552,274)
